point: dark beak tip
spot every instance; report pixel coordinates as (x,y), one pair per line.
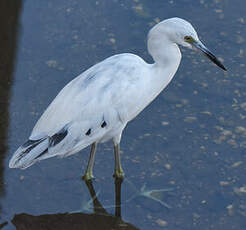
(223,67)
(207,52)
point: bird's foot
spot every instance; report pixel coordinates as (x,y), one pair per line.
(119,174)
(88,176)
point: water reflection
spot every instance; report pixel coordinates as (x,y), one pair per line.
(99,219)
(9,20)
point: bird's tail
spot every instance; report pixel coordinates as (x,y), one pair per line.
(29,153)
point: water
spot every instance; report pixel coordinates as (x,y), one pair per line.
(191,138)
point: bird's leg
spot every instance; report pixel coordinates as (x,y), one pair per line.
(118,172)
(89,170)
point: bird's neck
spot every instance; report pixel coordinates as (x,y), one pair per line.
(165,53)
(167,58)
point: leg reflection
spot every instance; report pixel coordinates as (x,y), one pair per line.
(118,183)
(97,206)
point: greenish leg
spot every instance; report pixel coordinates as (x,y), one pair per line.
(118,172)
(89,170)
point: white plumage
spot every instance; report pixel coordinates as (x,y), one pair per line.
(96,106)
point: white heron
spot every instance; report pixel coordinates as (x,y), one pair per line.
(97,105)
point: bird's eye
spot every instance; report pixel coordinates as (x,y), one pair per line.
(188,39)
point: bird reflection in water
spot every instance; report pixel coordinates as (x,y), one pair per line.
(99,219)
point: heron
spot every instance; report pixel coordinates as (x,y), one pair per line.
(96,106)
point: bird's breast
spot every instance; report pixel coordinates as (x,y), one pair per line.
(147,89)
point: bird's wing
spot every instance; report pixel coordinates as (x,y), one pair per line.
(94,106)
(102,92)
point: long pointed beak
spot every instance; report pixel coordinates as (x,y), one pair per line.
(208,53)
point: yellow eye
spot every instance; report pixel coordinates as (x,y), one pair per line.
(188,39)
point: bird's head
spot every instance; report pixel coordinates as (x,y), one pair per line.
(181,32)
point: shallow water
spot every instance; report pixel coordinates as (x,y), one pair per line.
(192,138)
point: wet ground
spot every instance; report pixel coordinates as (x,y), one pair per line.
(192,138)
